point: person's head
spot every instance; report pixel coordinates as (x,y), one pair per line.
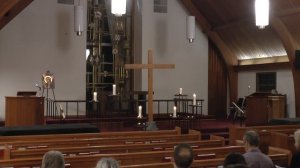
(107,163)
(183,156)
(297,139)
(234,159)
(251,139)
(53,159)
(236,166)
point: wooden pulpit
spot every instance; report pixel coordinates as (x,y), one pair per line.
(262,107)
(24,111)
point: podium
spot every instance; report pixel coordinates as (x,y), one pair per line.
(262,107)
(24,111)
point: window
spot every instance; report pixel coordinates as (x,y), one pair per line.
(160,6)
(265,81)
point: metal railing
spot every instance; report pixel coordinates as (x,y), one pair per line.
(125,108)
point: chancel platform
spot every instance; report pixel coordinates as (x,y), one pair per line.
(49,129)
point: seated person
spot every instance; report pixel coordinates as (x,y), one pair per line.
(253,156)
(295,163)
(235,160)
(53,159)
(183,156)
(107,163)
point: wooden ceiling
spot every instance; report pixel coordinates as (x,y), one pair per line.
(234,22)
(11,8)
(229,22)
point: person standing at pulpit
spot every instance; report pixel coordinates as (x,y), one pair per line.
(295,163)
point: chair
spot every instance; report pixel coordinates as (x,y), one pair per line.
(237,110)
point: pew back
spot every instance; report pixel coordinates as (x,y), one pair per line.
(3,139)
(124,148)
(236,132)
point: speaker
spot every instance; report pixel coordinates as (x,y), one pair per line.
(297,59)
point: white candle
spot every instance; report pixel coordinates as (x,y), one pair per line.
(180,91)
(140,112)
(194,99)
(174,111)
(95,96)
(114,89)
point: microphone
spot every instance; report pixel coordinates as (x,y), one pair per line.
(37,85)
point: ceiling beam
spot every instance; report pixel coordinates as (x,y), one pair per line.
(6,5)
(228,56)
(11,8)
(290,46)
(281,13)
(287,12)
(267,60)
(262,67)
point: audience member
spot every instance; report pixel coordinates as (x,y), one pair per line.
(53,159)
(253,156)
(183,156)
(107,163)
(296,156)
(237,166)
(234,160)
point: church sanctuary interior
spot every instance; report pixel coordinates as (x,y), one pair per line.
(132,79)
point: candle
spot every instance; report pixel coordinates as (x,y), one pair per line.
(95,97)
(140,112)
(180,91)
(114,89)
(194,99)
(174,111)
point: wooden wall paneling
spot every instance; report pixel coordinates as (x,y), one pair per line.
(11,8)
(217,83)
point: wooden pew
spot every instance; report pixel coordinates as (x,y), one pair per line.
(278,159)
(124,148)
(283,140)
(101,141)
(238,132)
(124,158)
(148,159)
(3,139)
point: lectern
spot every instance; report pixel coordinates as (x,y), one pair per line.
(24,111)
(261,107)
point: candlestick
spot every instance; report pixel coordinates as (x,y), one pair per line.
(95,96)
(180,91)
(194,99)
(174,111)
(114,89)
(140,112)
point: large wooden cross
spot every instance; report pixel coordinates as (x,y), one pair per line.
(150,66)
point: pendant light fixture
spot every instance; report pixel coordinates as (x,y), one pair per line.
(262,13)
(190,28)
(78,19)
(118,7)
